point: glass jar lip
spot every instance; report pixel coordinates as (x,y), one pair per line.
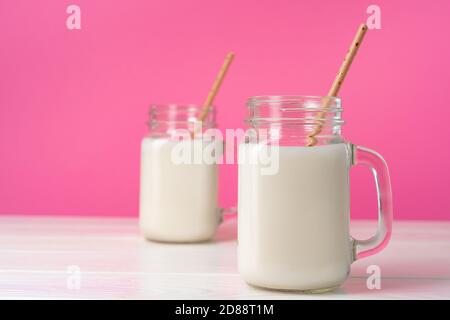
(314,101)
(180,114)
(186,107)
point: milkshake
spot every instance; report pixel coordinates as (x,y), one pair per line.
(293,220)
(294,224)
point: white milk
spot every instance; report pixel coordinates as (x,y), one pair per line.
(293,227)
(178,202)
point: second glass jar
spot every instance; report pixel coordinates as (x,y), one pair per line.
(178,199)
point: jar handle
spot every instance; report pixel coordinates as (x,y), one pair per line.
(378,166)
(227,214)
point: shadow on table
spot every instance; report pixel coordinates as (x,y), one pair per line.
(356,288)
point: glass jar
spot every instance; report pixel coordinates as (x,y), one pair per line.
(178,194)
(293,220)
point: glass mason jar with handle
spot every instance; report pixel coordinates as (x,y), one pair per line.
(293,220)
(178,194)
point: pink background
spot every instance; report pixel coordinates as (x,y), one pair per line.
(73,104)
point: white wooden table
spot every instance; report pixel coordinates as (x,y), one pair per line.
(106,258)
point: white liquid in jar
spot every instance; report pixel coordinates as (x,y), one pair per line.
(178,202)
(293,226)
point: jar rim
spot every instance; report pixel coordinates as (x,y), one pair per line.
(178,106)
(179,115)
(315,102)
